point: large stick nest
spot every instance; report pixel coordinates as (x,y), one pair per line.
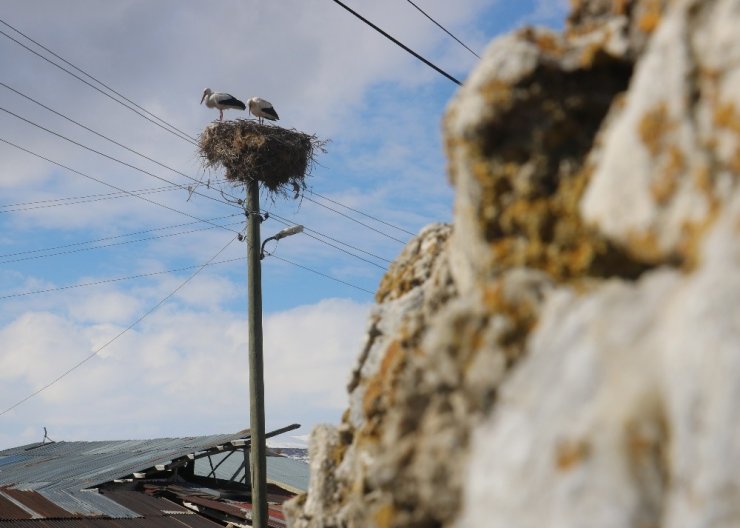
(279,158)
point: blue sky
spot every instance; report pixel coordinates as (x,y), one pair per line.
(182,370)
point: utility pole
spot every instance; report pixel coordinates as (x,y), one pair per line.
(279,159)
(256,377)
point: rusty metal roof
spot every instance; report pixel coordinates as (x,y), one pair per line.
(36,503)
(144,504)
(9,509)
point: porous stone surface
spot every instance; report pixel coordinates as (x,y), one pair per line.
(567,352)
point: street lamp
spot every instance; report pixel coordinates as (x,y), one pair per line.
(288,231)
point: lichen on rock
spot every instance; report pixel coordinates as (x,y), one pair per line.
(566,354)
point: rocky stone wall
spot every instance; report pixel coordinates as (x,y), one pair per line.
(567,353)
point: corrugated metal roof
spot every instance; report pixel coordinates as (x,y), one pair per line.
(146,505)
(37,503)
(10,510)
(11,459)
(193,521)
(60,471)
(287,473)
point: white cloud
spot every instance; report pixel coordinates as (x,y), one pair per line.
(178,364)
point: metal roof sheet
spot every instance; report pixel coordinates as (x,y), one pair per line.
(146,505)
(10,510)
(37,503)
(60,471)
(192,521)
(11,459)
(287,473)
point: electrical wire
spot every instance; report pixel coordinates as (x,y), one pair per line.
(115,279)
(148,158)
(322,274)
(74,200)
(189,138)
(306,231)
(132,102)
(172,130)
(109,184)
(361,213)
(172,169)
(113,244)
(124,163)
(398,43)
(114,237)
(356,221)
(59,202)
(113,339)
(442,28)
(215,225)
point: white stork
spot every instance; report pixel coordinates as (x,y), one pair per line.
(262,109)
(222,101)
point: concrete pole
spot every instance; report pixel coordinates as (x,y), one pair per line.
(256,379)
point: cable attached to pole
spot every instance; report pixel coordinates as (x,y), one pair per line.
(398,43)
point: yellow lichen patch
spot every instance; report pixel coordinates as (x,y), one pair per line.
(702,178)
(548,43)
(384,516)
(404,274)
(619,7)
(645,246)
(521,318)
(726,116)
(377,386)
(664,185)
(646,439)
(589,54)
(496,92)
(569,454)
(653,128)
(734,163)
(692,235)
(649,18)
(337,454)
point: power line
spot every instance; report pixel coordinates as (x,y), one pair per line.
(167,166)
(42,105)
(109,184)
(58,202)
(397,43)
(129,327)
(116,279)
(126,164)
(118,143)
(307,232)
(114,237)
(356,221)
(172,130)
(189,138)
(360,212)
(442,27)
(367,215)
(322,274)
(74,200)
(112,244)
(157,203)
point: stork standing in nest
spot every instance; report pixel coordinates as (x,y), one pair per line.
(222,101)
(262,109)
